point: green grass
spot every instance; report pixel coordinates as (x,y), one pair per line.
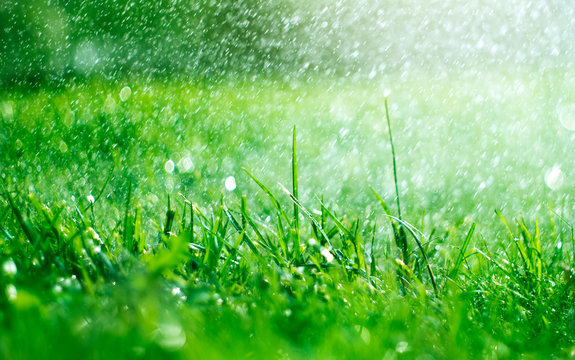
(110,251)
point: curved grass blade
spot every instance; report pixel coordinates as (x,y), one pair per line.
(398,233)
(312,219)
(272,198)
(461,256)
(412,230)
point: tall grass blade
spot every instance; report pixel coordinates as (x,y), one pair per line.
(387,118)
(128,229)
(295,192)
(454,271)
(398,233)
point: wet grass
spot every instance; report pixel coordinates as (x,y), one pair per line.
(110,251)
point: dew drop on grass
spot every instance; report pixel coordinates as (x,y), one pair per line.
(554,178)
(230,183)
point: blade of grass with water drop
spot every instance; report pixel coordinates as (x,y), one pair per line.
(310,217)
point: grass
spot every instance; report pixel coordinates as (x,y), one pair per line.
(105,252)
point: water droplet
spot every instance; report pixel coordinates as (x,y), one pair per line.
(63,147)
(327,255)
(11,292)
(170,336)
(554,178)
(230,183)
(109,104)
(9,268)
(402,347)
(185,164)
(125,93)
(169,166)
(482,186)
(90,199)
(6,110)
(566,114)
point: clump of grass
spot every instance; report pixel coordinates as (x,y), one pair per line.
(234,280)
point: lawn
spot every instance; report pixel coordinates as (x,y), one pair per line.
(168,219)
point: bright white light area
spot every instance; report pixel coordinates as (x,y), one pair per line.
(327,255)
(230,183)
(554,178)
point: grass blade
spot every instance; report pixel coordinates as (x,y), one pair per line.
(412,231)
(272,198)
(295,190)
(311,218)
(461,256)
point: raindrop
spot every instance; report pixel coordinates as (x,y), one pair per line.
(566,114)
(554,178)
(125,93)
(9,268)
(230,183)
(482,186)
(327,255)
(11,292)
(63,147)
(185,164)
(402,347)
(169,166)
(170,336)
(6,110)
(109,104)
